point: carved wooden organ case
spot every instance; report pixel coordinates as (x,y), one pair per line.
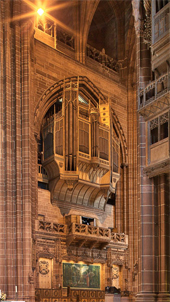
(80,149)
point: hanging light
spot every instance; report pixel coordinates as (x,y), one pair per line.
(40,11)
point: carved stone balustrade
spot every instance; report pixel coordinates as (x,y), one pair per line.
(65,38)
(102,58)
(155,96)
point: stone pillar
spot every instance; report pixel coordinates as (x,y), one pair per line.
(26,171)
(15,167)
(3,147)
(163,238)
(8,206)
(145,209)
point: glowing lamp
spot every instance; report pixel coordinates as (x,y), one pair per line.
(40,11)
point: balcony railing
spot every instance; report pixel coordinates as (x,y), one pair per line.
(161,23)
(118,237)
(84,230)
(52,227)
(102,58)
(53,34)
(154,90)
(91,231)
(88,230)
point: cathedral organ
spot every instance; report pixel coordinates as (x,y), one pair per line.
(79,146)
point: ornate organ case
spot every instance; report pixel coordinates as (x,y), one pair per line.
(80,150)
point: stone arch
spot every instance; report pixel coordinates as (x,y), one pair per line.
(55,91)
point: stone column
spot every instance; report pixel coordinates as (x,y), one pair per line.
(15,159)
(163,238)
(27,136)
(146,231)
(3,263)
(8,253)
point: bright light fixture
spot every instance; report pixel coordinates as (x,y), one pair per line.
(40,11)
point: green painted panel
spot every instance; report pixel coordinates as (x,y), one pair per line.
(81,275)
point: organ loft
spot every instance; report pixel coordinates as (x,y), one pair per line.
(85,150)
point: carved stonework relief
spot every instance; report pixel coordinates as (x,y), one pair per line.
(43,267)
(45,272)
(115,276)
(147,22)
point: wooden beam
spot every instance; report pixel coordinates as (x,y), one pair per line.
(93,243)
(102,245)
(70,240)
(82,242)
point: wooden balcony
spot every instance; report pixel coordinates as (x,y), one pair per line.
(155,97)
(94,237)
(83,235)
